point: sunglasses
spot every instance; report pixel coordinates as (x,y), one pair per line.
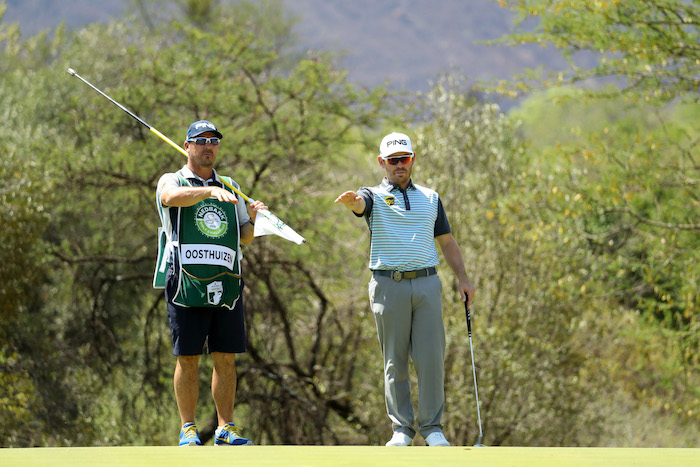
(203,141)
(396,160)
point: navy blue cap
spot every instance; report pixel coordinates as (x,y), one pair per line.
(202,126)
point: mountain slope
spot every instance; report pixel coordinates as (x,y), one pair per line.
(406,43)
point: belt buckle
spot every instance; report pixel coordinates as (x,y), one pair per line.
(397,275)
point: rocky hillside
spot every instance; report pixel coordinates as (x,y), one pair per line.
(404,42)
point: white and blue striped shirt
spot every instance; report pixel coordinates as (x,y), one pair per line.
(403,225)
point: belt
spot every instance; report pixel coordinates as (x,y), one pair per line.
(400,275)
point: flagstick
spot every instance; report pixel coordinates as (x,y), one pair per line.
(182,150)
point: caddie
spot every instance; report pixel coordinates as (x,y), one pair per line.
(204,224)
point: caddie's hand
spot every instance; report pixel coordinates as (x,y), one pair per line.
(222,195)
(254,207)
(350,199)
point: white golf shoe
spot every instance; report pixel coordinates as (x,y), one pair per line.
(436,438)
(400,439)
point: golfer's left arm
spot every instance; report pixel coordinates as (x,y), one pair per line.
(248,228)
(453,257)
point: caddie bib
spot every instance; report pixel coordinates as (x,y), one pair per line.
(208,258)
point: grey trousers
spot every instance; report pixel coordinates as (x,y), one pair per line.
(409,322)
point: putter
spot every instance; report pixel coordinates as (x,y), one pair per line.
(476,390)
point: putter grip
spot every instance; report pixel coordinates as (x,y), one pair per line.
(469,319)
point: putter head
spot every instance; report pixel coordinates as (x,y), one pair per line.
(71,71)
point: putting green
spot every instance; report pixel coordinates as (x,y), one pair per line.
(337,456)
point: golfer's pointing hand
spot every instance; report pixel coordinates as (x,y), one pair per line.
(352,201)
(348,198)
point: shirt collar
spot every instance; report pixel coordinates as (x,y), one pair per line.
(391,187)
(187,173)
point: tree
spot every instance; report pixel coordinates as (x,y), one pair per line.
(634,172)
(288,122)
(620,184)
(650,45)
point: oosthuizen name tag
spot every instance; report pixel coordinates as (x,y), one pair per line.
(216,255)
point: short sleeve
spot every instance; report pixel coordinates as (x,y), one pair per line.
(366,194)
(442,225)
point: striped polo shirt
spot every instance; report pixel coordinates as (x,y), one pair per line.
(403,225)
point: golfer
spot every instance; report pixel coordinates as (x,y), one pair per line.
(404,220)
(204,224)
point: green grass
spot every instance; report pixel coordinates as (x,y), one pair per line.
(337,456)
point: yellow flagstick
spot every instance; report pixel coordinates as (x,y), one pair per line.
(278,227)
(158,133)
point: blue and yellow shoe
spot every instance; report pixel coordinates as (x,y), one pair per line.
(228,435)
(189,436)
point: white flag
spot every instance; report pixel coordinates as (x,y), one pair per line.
(267,223)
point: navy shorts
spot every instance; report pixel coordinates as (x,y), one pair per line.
(223,330)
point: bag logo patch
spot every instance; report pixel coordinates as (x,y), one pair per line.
(211,220)
(215,291)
